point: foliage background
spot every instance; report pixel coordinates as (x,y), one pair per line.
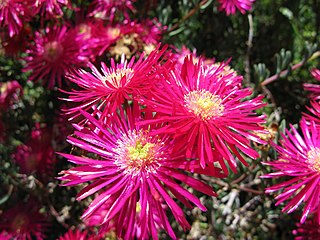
(273,37)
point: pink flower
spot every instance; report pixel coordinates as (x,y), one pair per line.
(310,230)
(104,36)
(36,156)
(298,162)
(112,86)
(314,88)
(89,33)
(207,112)
(16,44)
(230,6)
(315,114)
(134,176)
(107,9)
(9,92)
(77,235)
(54,53)
(23,222)
(13,13)
(51,8)
(5,236)
(129,38)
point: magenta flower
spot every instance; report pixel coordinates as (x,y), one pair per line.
(315,114)
(107,9)
(230,6)
(134,176)
(298,162)
(23,222)
(5,236)
(54,53)
(207,112)
(10,92)
(78,235)
(314,88)
(36,156)
(51,8)
(310,230)
(105,36)
(108,89)
(129,38)
(13,13)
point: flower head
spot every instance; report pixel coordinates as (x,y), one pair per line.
(36,156)
(9,92)
(16,44)
(308,231)
(23,222)
(230,6)
(108,89)
(135,175)
(314,88)
(299,162)
(13,13)
(129,38)
(78,235)
(206,106)
(53,54)
(108,9)
(51,8)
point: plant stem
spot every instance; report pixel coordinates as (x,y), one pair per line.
(285,72)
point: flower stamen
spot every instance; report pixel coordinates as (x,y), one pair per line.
(314,159)
(203,104)
(52,51)
(115,77)
(138,152)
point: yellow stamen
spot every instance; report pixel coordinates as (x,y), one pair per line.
(138,152)
(115,77)
(203,104)
(314,159)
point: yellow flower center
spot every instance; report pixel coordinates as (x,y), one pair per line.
(115,77)
(113,33)
(314,159)
(138,152)
(141,153)
(203,104)
(52,51)
(85,30)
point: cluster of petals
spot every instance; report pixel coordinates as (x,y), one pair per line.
(78,235)
(13,13)
(51,9)
(231,6)
(10,92)
(23,221)
(55,52)
(310,230)
(135,175)
(208,112)
(298,166)
(314,88)
(108,88)
(36,156)
(129,37)
(110,8)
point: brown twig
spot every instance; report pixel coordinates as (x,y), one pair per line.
(285,72)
